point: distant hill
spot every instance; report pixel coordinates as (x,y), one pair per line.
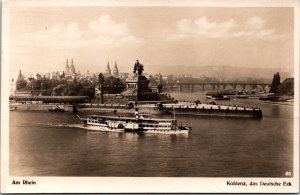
(221,72)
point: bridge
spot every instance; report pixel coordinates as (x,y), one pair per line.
(217,85)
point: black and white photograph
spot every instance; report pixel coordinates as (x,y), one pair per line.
(140,96)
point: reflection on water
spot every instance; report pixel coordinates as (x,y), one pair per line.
(53,144)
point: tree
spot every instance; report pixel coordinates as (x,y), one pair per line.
(275,83)
(90,92)
(21,84)
(101,82)
(286,87)
(36,84)
(58,90)
(113,85)
(38,76)
(73,89)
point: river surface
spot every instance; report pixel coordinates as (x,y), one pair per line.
(54,144)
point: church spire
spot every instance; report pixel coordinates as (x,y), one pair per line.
(108,71)
(72,68)
(67,68)
(116,70)
(20,76)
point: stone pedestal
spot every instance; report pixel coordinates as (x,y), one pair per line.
(137,89)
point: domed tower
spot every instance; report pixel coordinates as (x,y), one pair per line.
(72,68)
(67,68)
(108,71)
(116,70)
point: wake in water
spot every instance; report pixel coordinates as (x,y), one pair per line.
(66,125)
(69,125)
(280,103)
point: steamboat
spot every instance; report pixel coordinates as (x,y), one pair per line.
(138,123)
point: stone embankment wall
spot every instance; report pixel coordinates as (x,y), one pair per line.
(112,99)
(40,107)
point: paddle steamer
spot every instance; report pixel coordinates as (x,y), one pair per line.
(138,123)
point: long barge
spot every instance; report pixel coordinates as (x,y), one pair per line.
(186,108)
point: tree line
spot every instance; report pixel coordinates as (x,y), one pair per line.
(75,87)
(284,88)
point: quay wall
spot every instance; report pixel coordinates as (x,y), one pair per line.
(40,107)
(111,99)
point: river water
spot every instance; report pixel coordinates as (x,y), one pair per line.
(54,144)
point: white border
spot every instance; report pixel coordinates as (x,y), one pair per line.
(134,184)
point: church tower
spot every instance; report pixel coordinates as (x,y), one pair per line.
(108,71)
(20,76)
(116,70)
(67,68)
(72,68)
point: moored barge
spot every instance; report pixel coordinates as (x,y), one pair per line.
(187,108)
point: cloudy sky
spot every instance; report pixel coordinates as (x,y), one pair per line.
(42,38)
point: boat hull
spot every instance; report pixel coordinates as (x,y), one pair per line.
(152,131)
(101,128)
(168,131)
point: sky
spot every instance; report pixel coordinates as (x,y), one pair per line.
(43,38)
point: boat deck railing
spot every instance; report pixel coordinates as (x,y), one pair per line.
(121,118)
(210,106)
